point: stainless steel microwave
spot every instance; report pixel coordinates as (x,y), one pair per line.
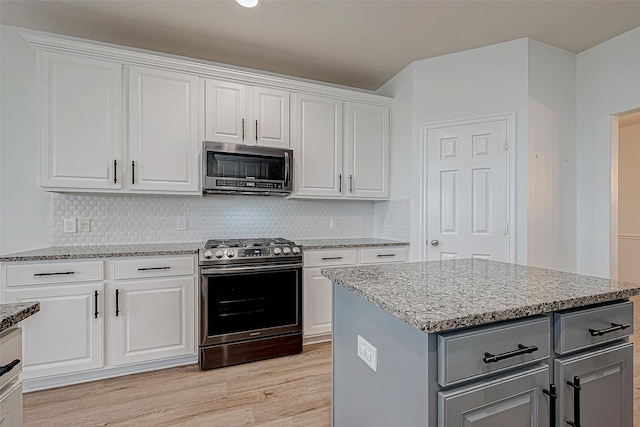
(243,169)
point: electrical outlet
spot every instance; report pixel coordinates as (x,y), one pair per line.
(334,222)
(368,353)
(181,223)
(84,225)
(69,225)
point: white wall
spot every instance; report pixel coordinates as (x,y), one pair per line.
(25,213)
(551,206)
(629,203)
(608,83)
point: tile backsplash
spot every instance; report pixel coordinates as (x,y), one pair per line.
(137,219)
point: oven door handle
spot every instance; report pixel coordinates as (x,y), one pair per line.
(226,270)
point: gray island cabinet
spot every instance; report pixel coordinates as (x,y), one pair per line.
(480,343)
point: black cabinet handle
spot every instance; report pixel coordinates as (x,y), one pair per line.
(242,130)
(153,268)
(115,177)
(614,327)
(331,258)
(522,349)
(256,131)
(350,183)
(63,273)
(8,367)
(576,401)
(95,313)
(340,183)
(133,172)
(385,255)
(552,404)
(117,303)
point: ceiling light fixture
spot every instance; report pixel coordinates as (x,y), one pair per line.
(249,3)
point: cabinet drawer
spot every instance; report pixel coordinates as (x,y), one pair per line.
(10,354)
(577,329)
(477,352)
(54,272)
(330,257)
(11,406)
(380,255)
(152,267)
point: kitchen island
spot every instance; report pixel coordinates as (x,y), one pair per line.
(477,342)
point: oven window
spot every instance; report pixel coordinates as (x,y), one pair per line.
(248,301)
(224,165)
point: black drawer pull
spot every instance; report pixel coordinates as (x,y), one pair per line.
(63,273)
(576,401)
(153,268)
(95,311)
(117,303)
(522,349)
(331,258)
(553,396)
(8,367)
(614,327)
(385,255)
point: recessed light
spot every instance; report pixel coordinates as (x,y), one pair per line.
(249,3)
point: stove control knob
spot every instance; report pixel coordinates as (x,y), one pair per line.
(208,255)
(286,251)
(295,250)
(219,254)
(230,253)
(277,251)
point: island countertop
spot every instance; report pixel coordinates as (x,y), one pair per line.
(436,296)
(10,314)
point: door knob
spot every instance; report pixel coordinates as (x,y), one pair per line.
(434,243)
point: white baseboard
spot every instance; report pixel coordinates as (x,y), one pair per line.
(315,339)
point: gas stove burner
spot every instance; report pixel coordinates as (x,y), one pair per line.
(225,251)
(222,243)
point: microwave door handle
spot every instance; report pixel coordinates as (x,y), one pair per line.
(286,168)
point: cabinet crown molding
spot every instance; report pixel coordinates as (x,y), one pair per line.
(41,41)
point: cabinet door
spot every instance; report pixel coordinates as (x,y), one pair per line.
(11,406)
(67,334)
(163,131)
(154,319)
(514,401)
(270,117)
(606,381)
(80,125)
(225,112)
(317,303)
(317,137)
(367,151)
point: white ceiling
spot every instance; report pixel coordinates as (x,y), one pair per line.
(359,43)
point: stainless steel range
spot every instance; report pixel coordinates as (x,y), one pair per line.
(250,300)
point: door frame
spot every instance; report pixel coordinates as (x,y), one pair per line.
(510,119)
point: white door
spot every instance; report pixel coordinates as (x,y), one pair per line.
(367,151)
(225,112)
(81,132)
(155,319)
(467,191)
(163,131)
(67,334)
(270,117)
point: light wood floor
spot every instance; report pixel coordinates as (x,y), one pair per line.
(284,392)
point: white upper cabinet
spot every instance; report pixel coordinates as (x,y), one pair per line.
(327,168)
(367,151)
(163,131)
(317,146)
(241,114)
(81,132)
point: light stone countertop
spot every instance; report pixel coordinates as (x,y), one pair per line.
(10,314)
(107,251)
(348,243)
(437,296)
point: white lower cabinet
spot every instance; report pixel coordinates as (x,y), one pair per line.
(316,319)
(67,334)
(154,319)
(515,401)
(11,406)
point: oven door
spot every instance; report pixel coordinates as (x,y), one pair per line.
(240,303)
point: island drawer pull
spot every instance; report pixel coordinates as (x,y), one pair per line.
(614,327)
(8,367)
(332,258)
(522,349)
(385,255)
(54,274)
(576,401)
(553,396)
(154,268)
